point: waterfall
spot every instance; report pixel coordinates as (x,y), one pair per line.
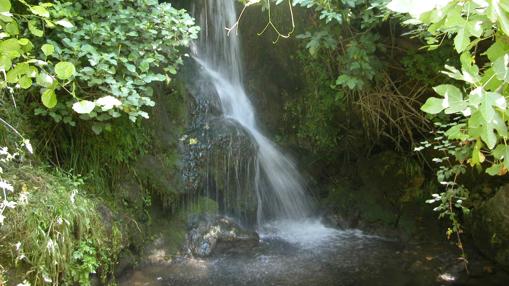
(280,191)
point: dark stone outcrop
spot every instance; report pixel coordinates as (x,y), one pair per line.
(490,227)
(207,233)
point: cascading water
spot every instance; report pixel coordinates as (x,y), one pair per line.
(280,192)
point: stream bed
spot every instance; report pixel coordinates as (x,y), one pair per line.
(306,255)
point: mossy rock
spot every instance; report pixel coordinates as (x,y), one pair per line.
(490,227)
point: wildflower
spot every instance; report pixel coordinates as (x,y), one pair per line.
(23,198)
(27,144)
(25,283)
(73,196)
(4,185)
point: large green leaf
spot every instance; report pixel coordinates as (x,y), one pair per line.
(486,108)
(5,5)
(497,14)
(462,40)
(433,105)
(40,11)
(83,107)
(453,98)
(44,80)
(49,98)
(65,70)
(456,132)
(498,49)
(501,67)
(48,49)
(12,28)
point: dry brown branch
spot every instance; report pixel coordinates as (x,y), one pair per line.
(388,112)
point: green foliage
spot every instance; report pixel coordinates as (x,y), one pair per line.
(360,97)
(357,63)
(56,234)
(21,67)
(479,97)
(110,52)
(477,135)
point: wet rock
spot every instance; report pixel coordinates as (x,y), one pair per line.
(490,227)
(206,233)
(220,164)
(126,261)
(339,221)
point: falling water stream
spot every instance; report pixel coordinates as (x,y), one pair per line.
(295,248)
(279,188)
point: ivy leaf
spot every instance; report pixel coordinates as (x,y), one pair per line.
(40,11)
(49,98)
(453,98)
(462,40)
(44,79)
(48,49)
(486,108)
(454,19)
(489,136)
(32,27)
(25,82)
(475,28)
(477,156)
(499,125)
(456,133)
(5,62)
(12,28)
(501,67)
(433,105)
(130,67)
(5,6)
(495,13)
(497,50)
(83,107)
(502,153)
(65,23)
(65,70)
(494,170)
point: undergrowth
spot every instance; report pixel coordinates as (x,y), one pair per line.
(58,236)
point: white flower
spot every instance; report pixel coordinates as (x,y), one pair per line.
(73,196)
(50,245)
(18,246)
(23,198)
(2,218)
(46,278)
(6,186)
(9,204)
(27,144)
(25,283)
(59,221)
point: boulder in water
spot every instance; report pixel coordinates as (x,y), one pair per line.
(207,232)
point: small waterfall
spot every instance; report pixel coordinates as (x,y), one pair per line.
(280,191)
